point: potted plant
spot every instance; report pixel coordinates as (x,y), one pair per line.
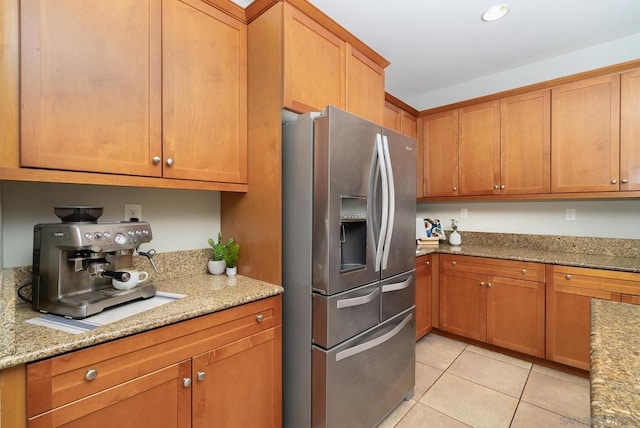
(231,256)
(454,238)
(217,263)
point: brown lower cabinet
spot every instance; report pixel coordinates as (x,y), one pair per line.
(222,369)
(569,294)
(424,277)
(501,302)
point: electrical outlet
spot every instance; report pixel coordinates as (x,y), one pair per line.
(463,213)
(132,211)
(570,214)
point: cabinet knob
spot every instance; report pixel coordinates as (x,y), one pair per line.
(156,160)
(495,186)
(453,263)
(614,181)
(624,181)
(260,318)
(454,188)
(170,161)
(91,374)
(489,284)
(567,276)
(201,376)
(502,187)
(428,262)
(523,271)
(186,382)
(481,283)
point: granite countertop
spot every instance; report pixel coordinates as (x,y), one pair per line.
(204,294)
(609,262)
(615,364)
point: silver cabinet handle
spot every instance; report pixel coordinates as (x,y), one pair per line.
(260,318)
(614,181)
(453,263)
(502,187)
(201,376)
(567,276)
(363,347)
(397,285)
(624,181)
(186,382)
(91,374)
(481,283)
(454,188)
(495,186)
(428,262)
(170,161)
(488,285)
(156,160)
(357,301)
(523,271)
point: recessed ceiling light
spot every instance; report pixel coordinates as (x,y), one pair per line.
(495,12)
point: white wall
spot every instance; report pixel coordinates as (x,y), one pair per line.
(614,52)
(180,219)
(603,219)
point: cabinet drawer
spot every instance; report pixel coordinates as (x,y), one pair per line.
(495,267)
(596,279)
(66,378)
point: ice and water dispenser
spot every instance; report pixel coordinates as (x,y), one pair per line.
(353,233)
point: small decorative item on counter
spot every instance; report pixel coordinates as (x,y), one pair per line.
(429,233)
(217,263)
(231,257)
(454,237)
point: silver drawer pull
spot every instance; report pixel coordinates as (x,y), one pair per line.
(488,285)
(481,283)
(350,352)
(357,301)
(453,263)
(428,262)
(397,285)
(523,271)
(186,382)
(260,318)
(201,376)
(91,374)
(567,276)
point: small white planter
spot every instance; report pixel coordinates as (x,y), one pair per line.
(216,267)
(232,271)
(454,238)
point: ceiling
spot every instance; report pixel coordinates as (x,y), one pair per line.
(441,52)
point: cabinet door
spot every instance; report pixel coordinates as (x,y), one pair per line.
(440,154)
(463,304)
(364,86)
(515,315)
(569,323)
(159,399)
(585,135)
(408,125)
(479,149)
(525,143)
(423,296)
(240,384)
(630,131)
(91,86)
(204,93)
(392,115)
(314,64)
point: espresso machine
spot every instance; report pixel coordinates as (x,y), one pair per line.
(74,262)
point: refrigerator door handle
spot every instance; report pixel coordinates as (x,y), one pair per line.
(397,285)
(392,202)
(363,347)
(385,201)
(357,301)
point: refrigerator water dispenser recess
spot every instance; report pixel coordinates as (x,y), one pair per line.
(353,233)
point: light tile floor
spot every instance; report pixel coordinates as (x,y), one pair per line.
(460,385)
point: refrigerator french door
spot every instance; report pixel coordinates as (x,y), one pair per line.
(348,259)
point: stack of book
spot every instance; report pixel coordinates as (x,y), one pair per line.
(426,243)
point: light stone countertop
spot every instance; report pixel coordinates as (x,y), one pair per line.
(615,364)
(23,343)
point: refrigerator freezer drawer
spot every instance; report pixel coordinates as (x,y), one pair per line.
(359,382)
(341,316)
(398,294)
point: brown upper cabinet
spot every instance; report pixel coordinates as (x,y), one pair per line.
(320,68)
(630,131)
(440,154)
(586,136)
(155,89)
(400,120)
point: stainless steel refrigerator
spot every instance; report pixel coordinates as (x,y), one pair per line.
(349,202)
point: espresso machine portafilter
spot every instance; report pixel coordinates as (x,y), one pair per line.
(75,261)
